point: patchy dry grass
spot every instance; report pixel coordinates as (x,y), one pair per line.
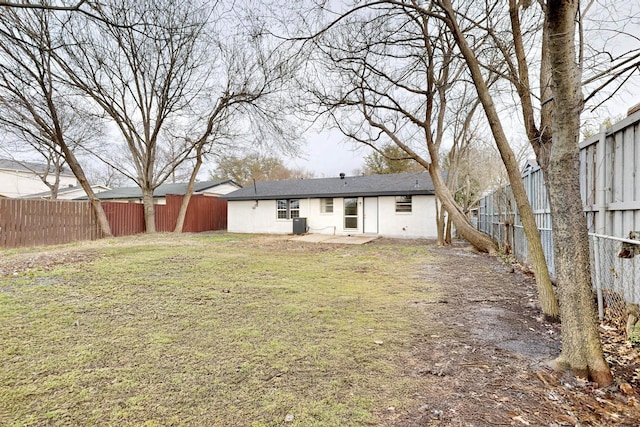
(215,330)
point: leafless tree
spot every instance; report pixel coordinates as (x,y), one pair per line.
(256,166)
(455,19)
(514,34)
(177,80)
(103,174)
(84,7)
(556,149)
(387,75)
(247,102)
(551,120)
(49,6)
(143,74)
(467,160)
(608,51)
(32,98)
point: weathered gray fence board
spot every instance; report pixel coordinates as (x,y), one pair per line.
(614,177)
(610,190)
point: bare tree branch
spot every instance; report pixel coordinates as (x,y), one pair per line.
(41,6)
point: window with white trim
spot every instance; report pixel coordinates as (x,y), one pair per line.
(282,208)
(287,209)
(294,208)
(326,205)
(403,204)
(351,213)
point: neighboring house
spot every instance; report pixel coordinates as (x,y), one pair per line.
(393,205)
(68,193)
(134,194)
(21,179)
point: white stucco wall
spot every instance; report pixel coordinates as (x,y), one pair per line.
(257,217)
(260,217)
(419,223)
(23,183)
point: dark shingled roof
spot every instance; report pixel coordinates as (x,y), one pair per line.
(400,184)
(161,191)
(10,164)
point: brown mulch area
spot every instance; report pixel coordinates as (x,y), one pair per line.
(491,371)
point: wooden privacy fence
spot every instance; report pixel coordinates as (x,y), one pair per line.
(203,214)
(124,218)
(26,222)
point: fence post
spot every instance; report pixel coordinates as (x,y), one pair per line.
(598,278)
(601,181)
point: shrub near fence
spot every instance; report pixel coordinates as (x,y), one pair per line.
(25,222)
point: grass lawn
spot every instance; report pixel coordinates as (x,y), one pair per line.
(215,330)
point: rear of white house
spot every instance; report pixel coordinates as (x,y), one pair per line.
(394,205)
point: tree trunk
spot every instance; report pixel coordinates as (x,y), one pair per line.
(581,347)
(481,241)
(546,294)
(440,223)
(149,210)
(187,196)
(74,165)
(447,232)
(56,181)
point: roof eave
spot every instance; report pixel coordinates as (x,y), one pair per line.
(318,196)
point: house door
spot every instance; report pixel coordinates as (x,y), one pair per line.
(370,215)
(351,213)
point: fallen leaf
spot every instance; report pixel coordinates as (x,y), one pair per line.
(567,419)
(626,389)
(522,420)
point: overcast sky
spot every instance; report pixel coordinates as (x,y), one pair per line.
(327,154)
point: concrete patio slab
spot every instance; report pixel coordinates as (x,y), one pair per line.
(324,238)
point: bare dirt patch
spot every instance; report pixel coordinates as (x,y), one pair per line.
(41,260)
(490,369)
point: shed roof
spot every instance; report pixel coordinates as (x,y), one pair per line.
(400,184)
(161,191)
